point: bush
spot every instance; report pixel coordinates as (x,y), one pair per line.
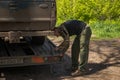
(106,29)
(87,10)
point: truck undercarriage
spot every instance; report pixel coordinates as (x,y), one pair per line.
(25,54)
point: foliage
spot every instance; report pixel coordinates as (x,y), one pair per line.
(87,10)
(106,29)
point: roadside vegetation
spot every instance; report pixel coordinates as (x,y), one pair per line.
(102,15)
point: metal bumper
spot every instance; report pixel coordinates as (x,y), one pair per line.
(14,36)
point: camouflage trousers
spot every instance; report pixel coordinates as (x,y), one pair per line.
(80,49)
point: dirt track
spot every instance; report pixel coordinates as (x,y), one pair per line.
(104,64)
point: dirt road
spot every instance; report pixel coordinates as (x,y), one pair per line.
(104,64)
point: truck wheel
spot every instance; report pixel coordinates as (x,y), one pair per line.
(38,40)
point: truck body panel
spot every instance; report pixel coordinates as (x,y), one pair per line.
(29,15)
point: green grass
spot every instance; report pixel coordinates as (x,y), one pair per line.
(105,29)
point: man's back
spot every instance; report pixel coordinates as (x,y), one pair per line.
(74,27)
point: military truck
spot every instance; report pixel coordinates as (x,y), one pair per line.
(24,25)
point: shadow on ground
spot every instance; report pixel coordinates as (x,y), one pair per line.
(107,52)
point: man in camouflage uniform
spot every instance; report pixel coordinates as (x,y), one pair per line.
(80,46)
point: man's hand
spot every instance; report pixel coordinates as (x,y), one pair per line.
(59,49)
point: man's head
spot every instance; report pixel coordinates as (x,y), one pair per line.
(56,31)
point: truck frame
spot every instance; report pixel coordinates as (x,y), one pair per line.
(24,27)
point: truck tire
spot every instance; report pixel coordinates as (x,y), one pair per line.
(38,40)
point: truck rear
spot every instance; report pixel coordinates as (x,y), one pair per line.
(24,25)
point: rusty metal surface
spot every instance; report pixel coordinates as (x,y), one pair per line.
(15,36)
(26,33)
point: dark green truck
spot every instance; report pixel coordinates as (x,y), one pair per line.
(24,25)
